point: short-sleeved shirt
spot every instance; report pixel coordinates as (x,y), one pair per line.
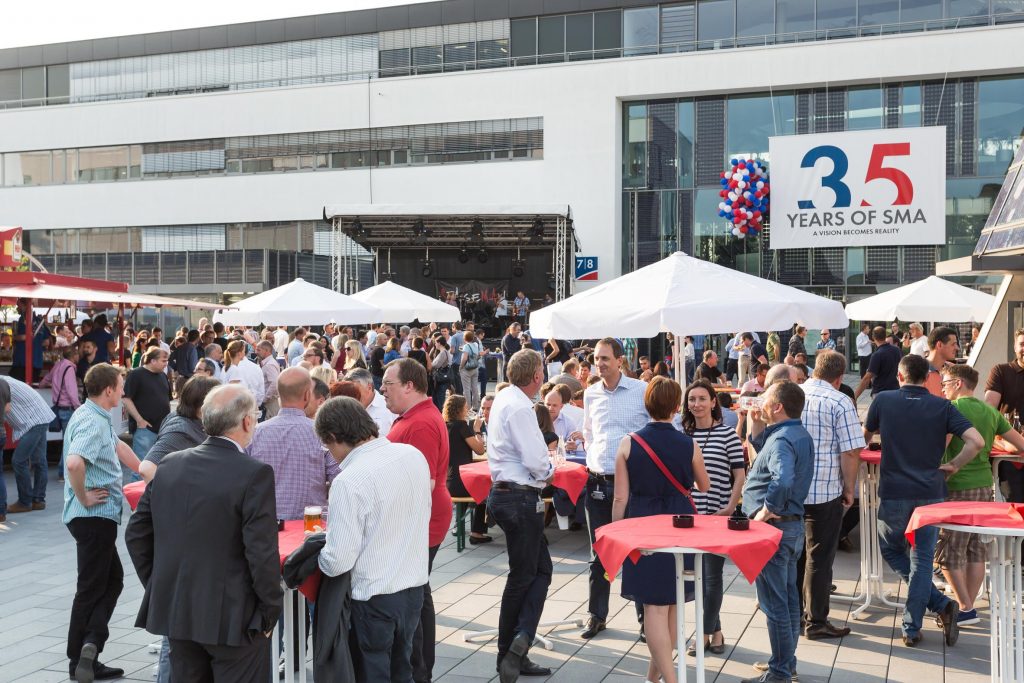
(913,425)
(459,452)
(757,350)
(831,420)
(989,422)
(422,426)
(882,366)
(772,347)
(151,394)
(708,372)
(796,345)
(90,435)
(723,453)
(1007,379)
(102,338)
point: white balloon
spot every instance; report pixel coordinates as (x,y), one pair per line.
(741,184)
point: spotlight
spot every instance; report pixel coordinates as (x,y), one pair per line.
(537,231)
(463,256)
(420,233)
(477,229)
(481,256)
(551,281)
(428,268)
(518,268)
(357,229)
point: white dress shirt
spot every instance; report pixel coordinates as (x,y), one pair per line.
(384,545)
(570,419)
(516,451)
(863,345)
(250,375)
(378,410)
(280,343)
(608,415)
(919,346)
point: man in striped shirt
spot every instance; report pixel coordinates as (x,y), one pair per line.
(29,418)
(831,419)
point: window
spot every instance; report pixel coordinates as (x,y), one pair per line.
(427,60)
(1000,113)
(640,31)
(794,16)
(58,84)
(875,12)
(523,37)
(33,86)
(459,56)
(966,8)
(755,18)
(394,62)
(607,33)
(715,20)
(678,27)
(920,10)
(911,106)
(27,168)
(634,154)
(183,238)
(551,38)
(579,36)
(10,85)
(752,120)
(864,108)
(836,14)
(684,143)
(102,164)
(492,53)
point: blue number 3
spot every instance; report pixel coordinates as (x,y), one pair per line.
(834,180)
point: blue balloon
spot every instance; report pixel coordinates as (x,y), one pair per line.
(734,162)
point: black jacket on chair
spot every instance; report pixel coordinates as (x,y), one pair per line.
(204,543)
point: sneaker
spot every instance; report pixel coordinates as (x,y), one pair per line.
(763,668)
(968,618)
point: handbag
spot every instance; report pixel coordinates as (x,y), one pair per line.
(57,425)
(661,466)
(442,374)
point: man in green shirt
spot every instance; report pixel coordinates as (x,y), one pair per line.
(961,555)
(772,346)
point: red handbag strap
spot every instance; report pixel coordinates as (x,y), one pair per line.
(661,466)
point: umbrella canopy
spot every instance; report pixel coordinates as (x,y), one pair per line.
(298,303)
(401,304)
(684,295)
(931,300)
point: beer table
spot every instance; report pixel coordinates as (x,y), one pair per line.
(1000,526)
(294,599)
(749,550)
(872,566)
(570,477)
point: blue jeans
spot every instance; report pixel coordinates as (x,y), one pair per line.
(914,565)
(3,484)
(64,415)
(779,599)
(163,671)
(29,462)
(142,442)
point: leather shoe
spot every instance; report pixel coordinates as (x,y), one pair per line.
(16,507)
(594,626)
(766,678)
(102,672)
(477,540)
(38,506)
(912,641)
(530,668)
(511,664)
(826,630)
(845,544)
(3,518)
(84,671)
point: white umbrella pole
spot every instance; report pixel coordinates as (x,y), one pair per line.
(680,361)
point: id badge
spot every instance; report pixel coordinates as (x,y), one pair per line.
(597,494)
(540,506)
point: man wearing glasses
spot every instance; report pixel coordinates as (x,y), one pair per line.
(826,343)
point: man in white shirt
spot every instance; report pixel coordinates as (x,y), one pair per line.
(215,354)
(520,468)
(384,545)
(864,347)
(280,341)
(568,421)
(612,408)
(918,340)
(372,400)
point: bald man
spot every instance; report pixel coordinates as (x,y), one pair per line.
(303,468)
(782,373)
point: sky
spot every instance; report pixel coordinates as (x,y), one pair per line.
(58,21)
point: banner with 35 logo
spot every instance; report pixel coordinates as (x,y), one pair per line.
(859,188)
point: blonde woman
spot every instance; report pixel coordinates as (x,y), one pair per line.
(240,370)
(352,357)
(325,374)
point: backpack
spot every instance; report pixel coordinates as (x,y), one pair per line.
(472,353)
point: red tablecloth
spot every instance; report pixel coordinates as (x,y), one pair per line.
(749,550)
(569,477)
(967,513)
(998,453)
(870,457)
(287,540)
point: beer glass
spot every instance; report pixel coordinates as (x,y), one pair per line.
(311,517)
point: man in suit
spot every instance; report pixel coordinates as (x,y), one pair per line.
(215,587)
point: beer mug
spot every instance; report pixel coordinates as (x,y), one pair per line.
(749,403)
(311,518)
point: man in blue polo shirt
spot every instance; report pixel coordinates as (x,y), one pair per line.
(881,373)
(913,426)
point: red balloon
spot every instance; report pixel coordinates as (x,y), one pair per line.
(742,164)
(743,229)
(723,193)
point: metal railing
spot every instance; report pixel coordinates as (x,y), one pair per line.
(766,40)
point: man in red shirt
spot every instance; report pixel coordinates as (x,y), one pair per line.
(420,425)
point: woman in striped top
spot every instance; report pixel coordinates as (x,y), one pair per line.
(723,458)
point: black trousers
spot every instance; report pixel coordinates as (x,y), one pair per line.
(100,580)
(529,564)
(732,368)
(384,626)
(193,662)
(599,513)
(822,523)
(864,360)
(423,638)
(851,519)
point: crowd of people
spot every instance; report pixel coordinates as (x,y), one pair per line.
(236,430)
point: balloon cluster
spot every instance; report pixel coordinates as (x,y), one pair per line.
(744,196)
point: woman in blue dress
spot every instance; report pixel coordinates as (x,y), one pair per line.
(643,490)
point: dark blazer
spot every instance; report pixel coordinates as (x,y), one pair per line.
(204,544)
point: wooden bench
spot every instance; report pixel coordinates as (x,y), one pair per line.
(462,506)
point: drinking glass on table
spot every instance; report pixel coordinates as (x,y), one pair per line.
(312,518)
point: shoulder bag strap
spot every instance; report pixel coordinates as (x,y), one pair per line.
(661,466)
(63,387)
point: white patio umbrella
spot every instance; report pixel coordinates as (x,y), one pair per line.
(684,295)
(298,303)
(932,300)
(401,304)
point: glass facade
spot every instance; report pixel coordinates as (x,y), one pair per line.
(666,211)
(666,27)
(440,143)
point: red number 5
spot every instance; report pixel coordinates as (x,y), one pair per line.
(876,171)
